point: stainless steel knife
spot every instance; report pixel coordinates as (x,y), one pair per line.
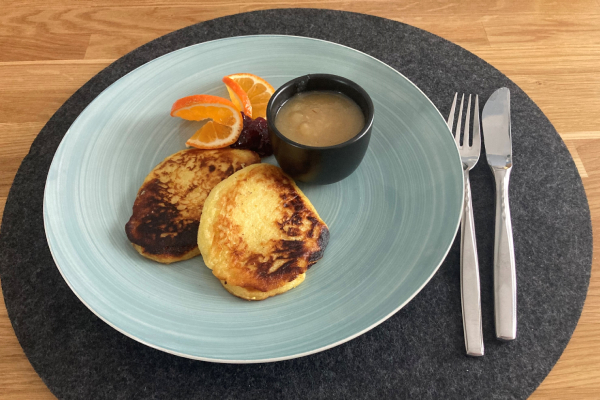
(498,147)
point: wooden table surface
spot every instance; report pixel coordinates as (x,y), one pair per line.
(551,49)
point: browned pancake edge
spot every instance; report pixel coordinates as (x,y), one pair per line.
(301,241)
(167,210)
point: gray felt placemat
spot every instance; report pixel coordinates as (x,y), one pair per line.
(417,353)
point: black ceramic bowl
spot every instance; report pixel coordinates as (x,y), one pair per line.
(320,165)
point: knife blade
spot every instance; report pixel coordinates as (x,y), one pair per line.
(497,137)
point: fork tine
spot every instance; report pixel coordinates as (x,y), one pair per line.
(451,116)
(466,136)
(459,123)
(476,126)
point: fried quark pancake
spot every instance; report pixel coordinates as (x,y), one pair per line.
(259,233)
(168,206)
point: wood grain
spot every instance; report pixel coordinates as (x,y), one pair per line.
(107,46)
(108,20)
(443,9)
(551,49)
(36,46)
(572,146)
(33,91)
(15,140)
(523,31)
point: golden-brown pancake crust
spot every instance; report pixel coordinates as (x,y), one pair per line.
(259,231)
(167,209)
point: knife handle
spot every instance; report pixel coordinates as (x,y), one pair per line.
(505,277)
(469,278)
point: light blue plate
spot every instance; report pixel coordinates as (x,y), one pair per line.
(392,221)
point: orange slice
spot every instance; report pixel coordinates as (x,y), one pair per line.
(256,88)
(225,123)
(238,96)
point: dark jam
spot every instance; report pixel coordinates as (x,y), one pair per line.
(255,137)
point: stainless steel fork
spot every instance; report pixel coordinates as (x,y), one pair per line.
(469,265)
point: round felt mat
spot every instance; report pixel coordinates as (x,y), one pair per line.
(417,353)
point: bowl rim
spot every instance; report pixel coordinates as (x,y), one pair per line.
(345,81)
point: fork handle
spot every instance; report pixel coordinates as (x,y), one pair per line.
(469,278)
(505,277)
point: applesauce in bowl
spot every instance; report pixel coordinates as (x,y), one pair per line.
(324,139)
(320,118)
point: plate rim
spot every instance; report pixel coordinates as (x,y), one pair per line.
(264,360)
